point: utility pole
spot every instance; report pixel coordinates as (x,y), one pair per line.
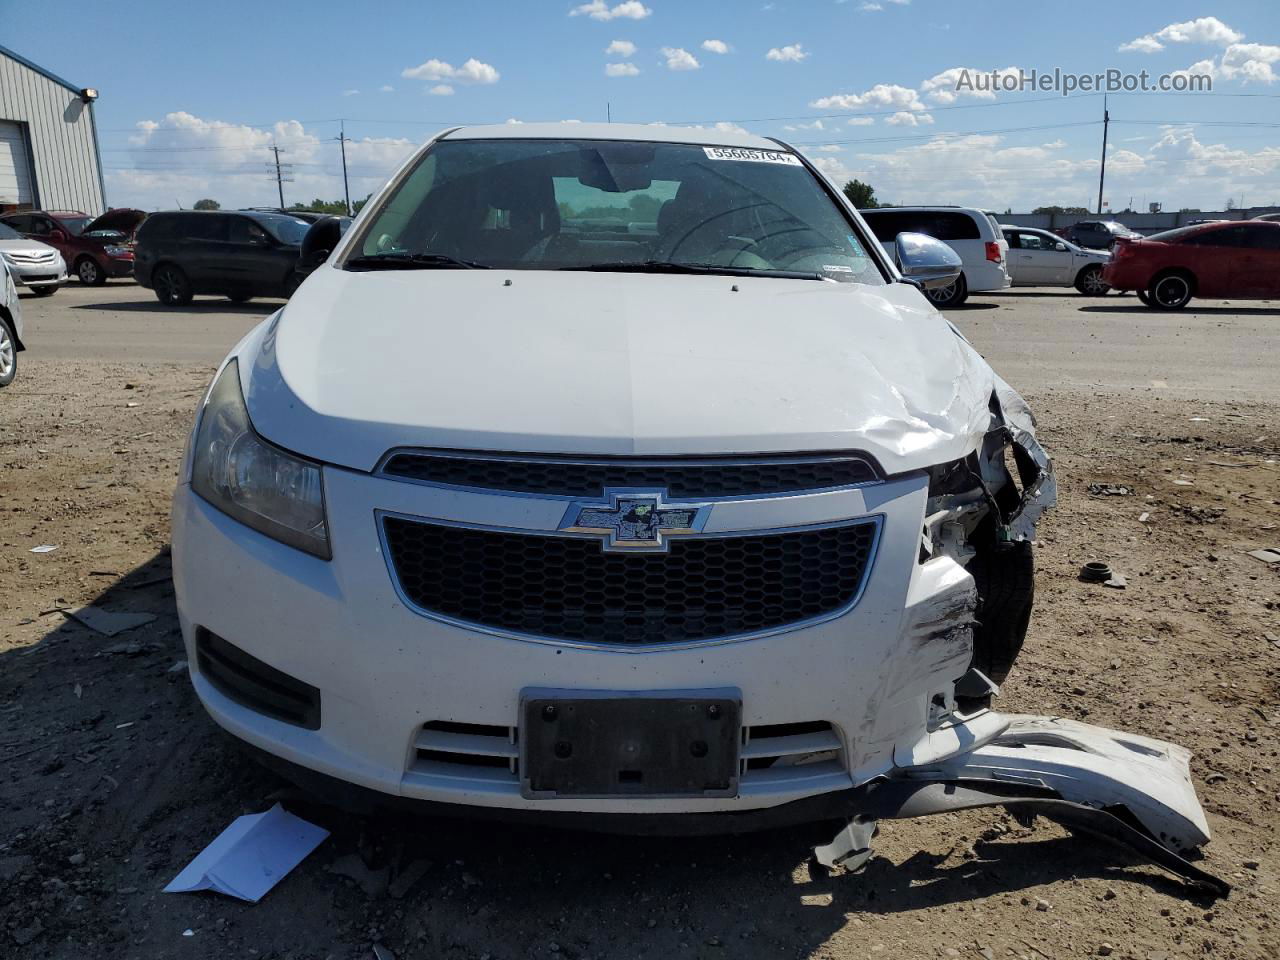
(1102,175)
(283,173)
(342,142)
(608,112)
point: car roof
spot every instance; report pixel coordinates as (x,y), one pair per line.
(648,132)
(972,211)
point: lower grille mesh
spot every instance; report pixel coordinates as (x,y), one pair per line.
(571,589)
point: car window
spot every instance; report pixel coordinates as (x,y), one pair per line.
(940,224)
(1034,241)
(1011,238)
(288,230)
(1234,236)
(564,204)
(8,233)
(244,230)
(21,223)
(73,225)
(1259,237)
(40,226)
(204,226)
(157,227)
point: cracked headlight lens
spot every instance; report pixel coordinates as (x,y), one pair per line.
(247,478)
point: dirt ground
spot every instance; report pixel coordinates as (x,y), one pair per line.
(113,777)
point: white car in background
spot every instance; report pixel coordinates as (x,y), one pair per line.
(31,263)
(972,233)
(1038,258)
(10,326)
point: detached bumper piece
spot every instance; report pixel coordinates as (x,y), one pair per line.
(1130,789)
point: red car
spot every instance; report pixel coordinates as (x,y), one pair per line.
(1231,260)
(94,249)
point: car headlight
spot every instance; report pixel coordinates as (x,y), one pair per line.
(247,478)
(117,251)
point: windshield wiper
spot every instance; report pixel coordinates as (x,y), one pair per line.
(668,266)
(412,261)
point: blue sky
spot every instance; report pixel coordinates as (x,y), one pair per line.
(193,95)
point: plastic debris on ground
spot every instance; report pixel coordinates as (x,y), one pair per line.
(44,548)
(108,622)
(251,856)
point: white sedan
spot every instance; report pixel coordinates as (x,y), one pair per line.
(1038,258)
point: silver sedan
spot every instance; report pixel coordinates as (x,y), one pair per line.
(31,263)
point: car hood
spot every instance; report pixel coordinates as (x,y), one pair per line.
(612,364)
(23,245)
(124,220)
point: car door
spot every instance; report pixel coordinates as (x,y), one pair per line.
(1212,256)
(202,250)
(1041,258)
(1255,270)
(249,264)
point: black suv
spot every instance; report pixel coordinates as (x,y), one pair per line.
(239,254)
(1098,234)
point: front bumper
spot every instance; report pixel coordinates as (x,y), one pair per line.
(383,670)
(116,267)
(53,274)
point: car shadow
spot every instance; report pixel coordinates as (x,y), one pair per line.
(971,306)
(1191,308)
(258,306)
(115,777)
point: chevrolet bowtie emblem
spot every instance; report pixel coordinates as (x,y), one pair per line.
(634,520)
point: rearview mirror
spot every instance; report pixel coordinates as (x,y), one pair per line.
(320,239)
(925,262)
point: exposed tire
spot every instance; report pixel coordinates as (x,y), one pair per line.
(44,291)
(8,354)
(1089,282)
(171,285)
(239,297)
(1005,577)
(1171,290)
(89,273)
(946,297)
(1145,297)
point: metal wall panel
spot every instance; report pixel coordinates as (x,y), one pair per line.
(60,137)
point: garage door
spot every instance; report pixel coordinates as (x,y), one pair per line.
(15,174)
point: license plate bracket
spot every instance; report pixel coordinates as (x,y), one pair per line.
(577,743)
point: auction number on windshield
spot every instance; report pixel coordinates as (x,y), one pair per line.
(756,156)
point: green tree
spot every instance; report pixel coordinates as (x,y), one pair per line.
(861,195)
(1056,209)
(206,204)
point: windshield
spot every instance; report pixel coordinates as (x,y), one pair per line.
(288,230)
(1176,234)
(8,233)
(74,225)
(566,204)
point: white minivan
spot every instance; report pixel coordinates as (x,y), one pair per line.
(973,234)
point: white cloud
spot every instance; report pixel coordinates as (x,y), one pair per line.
(816,125)
(350,93)
(471,72)
(1202,30)
(1249,62)
(441,90)
(211,158)
(870,7)
(620,48)
(905,119)
(724,126)
(679,58)
(942,86)
(715,46)
(621,70)
(830,148)
(792,53)
(599,10)
(881,95)
(386,88)
(860,121)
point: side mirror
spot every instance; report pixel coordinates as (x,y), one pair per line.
(925,262)
(1060,247)
(260,240)
(320,239)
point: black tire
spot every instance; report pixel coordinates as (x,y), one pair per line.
(291,283)
(89,273)
(1145,297)
(944,298)
(1171,290)
(1089,282)
(1005,577)
(8,353)
(44,291)
(239,297)
(171,285)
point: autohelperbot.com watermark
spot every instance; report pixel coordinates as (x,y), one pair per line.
(1066,83)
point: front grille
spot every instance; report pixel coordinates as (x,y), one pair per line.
(681,479)
(33,257)
(568,588)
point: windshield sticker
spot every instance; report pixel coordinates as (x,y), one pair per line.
(756,156)
(836,268)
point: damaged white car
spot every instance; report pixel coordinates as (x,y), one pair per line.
(615,476)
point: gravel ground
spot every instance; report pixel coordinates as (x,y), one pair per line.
(114,777)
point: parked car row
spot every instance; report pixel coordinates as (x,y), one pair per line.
(92,248)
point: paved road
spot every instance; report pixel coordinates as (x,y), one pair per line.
(1036,338)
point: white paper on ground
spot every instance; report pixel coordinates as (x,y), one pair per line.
(251,856)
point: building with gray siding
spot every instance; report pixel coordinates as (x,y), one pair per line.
(49,157)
